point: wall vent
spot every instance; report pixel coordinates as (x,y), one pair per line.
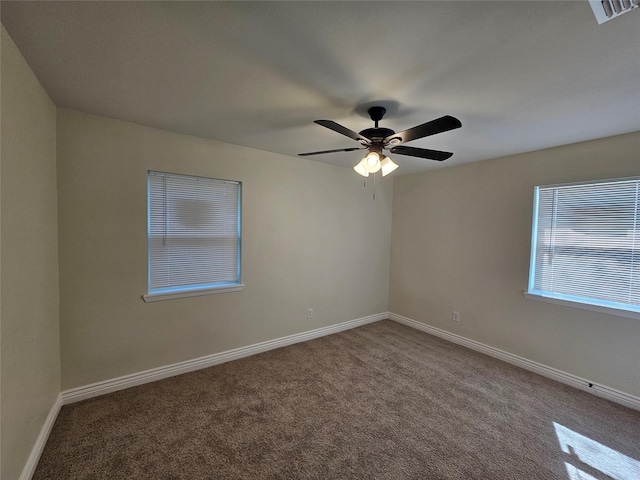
(605,10)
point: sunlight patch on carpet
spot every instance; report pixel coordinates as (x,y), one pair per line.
(587,459)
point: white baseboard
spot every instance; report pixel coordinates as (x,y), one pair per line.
(32,462)
(126,381)
(603,391)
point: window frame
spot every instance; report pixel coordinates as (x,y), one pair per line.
(179,291)
(585,303)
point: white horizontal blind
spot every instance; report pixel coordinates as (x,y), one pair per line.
(586,243)
(193,231)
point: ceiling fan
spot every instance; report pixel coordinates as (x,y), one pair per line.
(377,139)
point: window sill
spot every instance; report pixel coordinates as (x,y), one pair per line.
(584,306)
(193,293)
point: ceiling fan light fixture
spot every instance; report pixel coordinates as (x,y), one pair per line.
(371,163)
(360,169)
(387,166)
(372,158)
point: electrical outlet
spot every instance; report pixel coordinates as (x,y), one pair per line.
(456,316)
(309,312)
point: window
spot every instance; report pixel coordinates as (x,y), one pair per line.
(585,246)
(193,236)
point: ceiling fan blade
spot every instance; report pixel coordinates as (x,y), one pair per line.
(336,127)
(422,153)
(439,125)
(331,151)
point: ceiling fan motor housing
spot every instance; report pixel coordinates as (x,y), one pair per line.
(376,134)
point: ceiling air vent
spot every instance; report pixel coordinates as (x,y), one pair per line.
(605,10)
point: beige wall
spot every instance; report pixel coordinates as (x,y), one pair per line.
(30,342)
(461,239)
(312,237)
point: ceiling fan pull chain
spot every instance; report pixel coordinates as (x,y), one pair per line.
(374,186)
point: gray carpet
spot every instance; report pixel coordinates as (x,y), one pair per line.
(382,401)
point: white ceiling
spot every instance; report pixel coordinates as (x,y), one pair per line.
(520,75)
